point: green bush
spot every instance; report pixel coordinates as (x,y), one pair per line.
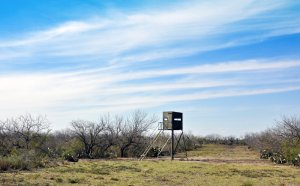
(291,151)
(73,148)
(24,161)
(13,162)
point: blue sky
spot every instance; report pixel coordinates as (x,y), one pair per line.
(231,67)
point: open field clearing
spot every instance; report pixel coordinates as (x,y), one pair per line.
(225,154)
(212,165)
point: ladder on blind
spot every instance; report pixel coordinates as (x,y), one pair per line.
(163,146)
(150,146)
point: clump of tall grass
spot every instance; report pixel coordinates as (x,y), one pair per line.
(14,162)
(25,161)
(4,164)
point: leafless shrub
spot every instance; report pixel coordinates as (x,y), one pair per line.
(27,131)
(288,128)
(88,133)
(132,130)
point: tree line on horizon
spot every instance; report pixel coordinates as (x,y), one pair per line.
(27,141)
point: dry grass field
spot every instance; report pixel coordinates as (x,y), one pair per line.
(210,165)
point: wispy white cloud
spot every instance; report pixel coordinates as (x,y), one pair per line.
(112,36)
(73,91)
(66,29)
(250,65)
(140,101)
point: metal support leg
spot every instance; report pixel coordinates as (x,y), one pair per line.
(178,141)
(172,146)
(184,146)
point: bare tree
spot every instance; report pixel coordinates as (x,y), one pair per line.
(3,132)
(289,128)
(266,140)
(88,133)
(132,130)
(4,141)
(112,132)
(58,142)
(252,140)
(27,129)
(269,140)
